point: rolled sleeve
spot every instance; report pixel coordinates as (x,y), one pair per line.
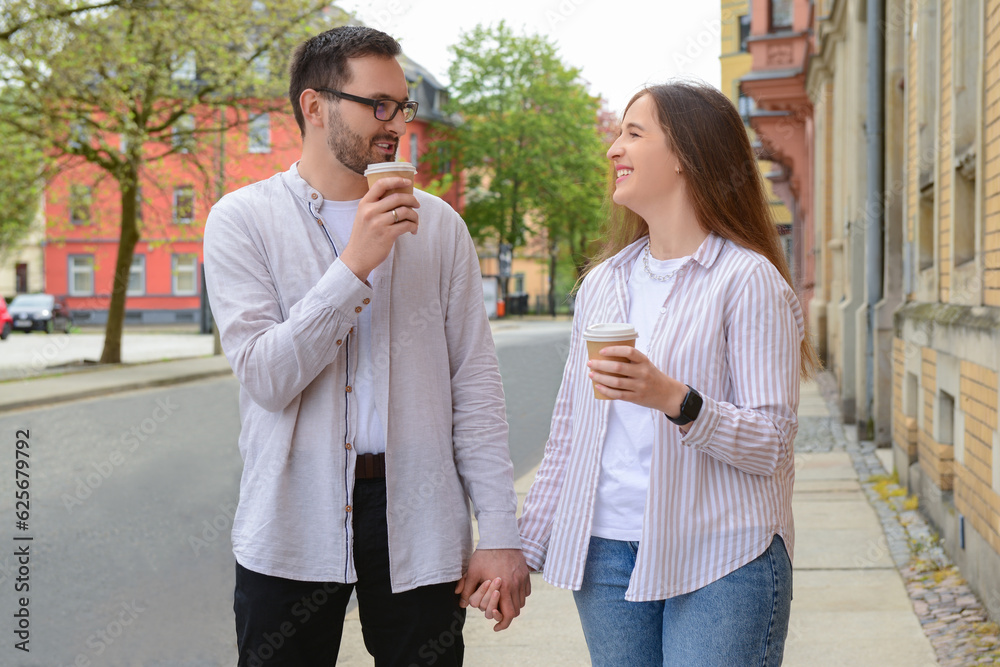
(256,335)
(753,430)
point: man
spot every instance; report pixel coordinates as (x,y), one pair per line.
(370,397)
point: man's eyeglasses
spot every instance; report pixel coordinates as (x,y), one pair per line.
(385,110)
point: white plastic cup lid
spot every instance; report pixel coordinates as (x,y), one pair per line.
(382,167)
(610,332)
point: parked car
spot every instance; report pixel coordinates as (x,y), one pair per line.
(42,312)
(6,321)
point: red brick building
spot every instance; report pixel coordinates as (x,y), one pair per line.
(83,210)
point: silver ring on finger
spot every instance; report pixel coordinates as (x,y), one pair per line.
(395,218)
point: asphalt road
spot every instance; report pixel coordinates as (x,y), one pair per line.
(132,497)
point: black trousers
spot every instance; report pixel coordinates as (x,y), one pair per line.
(287,623)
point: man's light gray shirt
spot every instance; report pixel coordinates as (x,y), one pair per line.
(286,308)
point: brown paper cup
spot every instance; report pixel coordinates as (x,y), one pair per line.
(391,169)
(594,348)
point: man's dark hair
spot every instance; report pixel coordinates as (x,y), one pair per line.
(322,61)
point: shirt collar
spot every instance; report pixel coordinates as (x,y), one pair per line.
(300,188)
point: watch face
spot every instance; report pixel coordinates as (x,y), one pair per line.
(692,404)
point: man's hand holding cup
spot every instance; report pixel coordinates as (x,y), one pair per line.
(385,213)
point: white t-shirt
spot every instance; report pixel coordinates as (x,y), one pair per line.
(338,216)
(628,444)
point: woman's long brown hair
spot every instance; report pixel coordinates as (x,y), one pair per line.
(704,130)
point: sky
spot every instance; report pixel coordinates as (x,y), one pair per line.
(619,45)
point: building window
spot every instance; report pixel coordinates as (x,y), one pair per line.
(79,204)
(746,105)
(137,276)
(21,278)
(78,135)
(182,133)
(184,268)
(184,205)
(744,31)
(262,67)
(781,15)
(81,275)
(414,149)
(185,67)
(260,133)
(440,100)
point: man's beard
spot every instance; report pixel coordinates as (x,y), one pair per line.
(354,151)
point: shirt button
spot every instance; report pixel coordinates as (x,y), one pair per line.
(314,195)
(348,508)
(366,301)
(663,310)
(347,445)
(339,341)
(348,389)
(358,309)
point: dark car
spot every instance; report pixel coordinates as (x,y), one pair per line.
(6,321)
(42,312)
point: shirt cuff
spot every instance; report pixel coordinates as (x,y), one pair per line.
(702,430)
(343,290)
(534,554)
(498,530)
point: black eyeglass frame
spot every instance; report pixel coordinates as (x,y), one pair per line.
(375,104)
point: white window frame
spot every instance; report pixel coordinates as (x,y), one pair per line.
(182,133)
(414,149)
(84,269)
(137,271)
(187,264)
(259,133)
(180,191)
(185,67)
(82,190)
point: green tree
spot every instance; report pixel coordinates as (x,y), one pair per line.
(111,84)
(21,182)
(529,141)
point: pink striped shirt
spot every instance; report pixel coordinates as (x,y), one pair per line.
(731,328)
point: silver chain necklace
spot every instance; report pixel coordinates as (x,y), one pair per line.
(656,276)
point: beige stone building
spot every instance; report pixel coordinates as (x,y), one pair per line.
(903,133)
(22,269)
(946,349)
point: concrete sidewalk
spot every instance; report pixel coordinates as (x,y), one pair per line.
(850,606)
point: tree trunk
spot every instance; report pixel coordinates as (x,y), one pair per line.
(127,185)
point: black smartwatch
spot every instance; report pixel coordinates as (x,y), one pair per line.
(690,408)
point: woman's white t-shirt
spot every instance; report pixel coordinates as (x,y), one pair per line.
(628,444)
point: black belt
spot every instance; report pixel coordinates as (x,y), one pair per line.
(370,466)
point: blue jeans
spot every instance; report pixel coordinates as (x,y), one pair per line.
(739,620)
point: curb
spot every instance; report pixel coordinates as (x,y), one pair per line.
(97,392)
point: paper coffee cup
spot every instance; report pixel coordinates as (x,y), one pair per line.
(600,336)
(398,169)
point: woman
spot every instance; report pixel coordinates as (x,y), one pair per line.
(668,509)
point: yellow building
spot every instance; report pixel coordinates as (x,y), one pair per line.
(735,61)
(22,268)
(946,353)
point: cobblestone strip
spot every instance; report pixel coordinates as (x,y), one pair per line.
(951,615)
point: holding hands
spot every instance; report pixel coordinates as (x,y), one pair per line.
(497,583)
